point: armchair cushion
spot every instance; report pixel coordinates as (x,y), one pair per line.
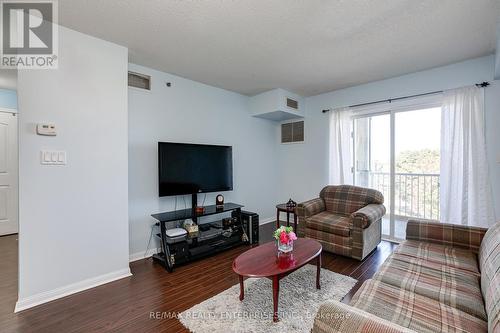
(445,234)
(346,199)
(330,223)
(365,216)
(310,207)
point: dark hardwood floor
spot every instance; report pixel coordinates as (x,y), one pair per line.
(126,305)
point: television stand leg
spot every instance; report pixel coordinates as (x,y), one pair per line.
(194,203)
(164,247)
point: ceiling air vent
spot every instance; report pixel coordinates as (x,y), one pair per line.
(140,81)
(291,103)
(292,132)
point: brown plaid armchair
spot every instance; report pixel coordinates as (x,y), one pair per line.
(345,219)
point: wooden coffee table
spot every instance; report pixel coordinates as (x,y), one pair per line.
(263,261)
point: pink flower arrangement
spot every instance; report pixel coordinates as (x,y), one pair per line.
(285,235)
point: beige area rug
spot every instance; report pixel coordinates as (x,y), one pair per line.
(299,301)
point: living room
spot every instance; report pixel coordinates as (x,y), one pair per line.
(343,121)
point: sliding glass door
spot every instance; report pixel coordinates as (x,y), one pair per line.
(372,157)
(397,153)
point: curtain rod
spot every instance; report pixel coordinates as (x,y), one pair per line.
(390,100)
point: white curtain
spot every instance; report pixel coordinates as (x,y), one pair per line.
(465,192)
(340,146)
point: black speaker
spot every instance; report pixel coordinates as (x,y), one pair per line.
(250,223)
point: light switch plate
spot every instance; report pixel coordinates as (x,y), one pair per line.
(52,157)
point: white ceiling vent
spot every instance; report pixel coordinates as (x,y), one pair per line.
(291,103)
(292,132)
(140,81)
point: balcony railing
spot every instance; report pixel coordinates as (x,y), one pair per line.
(416,195)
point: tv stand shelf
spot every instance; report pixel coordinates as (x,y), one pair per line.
(188,213)
(193,248)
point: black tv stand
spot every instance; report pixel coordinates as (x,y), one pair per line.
(211,239)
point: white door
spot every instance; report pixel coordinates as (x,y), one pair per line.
(8,174)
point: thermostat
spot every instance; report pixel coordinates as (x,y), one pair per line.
(46,129)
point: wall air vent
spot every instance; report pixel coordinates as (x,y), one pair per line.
(140,81)
(292,132)
(291,103)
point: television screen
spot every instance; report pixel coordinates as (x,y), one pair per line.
(192,168)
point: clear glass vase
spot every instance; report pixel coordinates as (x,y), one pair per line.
(285,248)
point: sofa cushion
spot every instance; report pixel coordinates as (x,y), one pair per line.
(438,254)
(442,283)
(346,199)
(337,317)
(489,261)
(330,223)
(455,235)
(414,311)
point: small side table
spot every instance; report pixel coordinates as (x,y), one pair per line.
(283,208)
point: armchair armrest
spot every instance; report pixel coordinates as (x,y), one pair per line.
(445,234)
(336,317)
(310,208)
(365,216)
(305,210)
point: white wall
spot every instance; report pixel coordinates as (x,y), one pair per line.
(307,164)
(74,218)
(195,113)
(497,58)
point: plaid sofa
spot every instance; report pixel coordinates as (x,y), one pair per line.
(443,278)
(345,219)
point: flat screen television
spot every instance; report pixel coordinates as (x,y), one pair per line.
(185,168)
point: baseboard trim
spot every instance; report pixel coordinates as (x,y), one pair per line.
(267,220)
(47,296)
(142,255)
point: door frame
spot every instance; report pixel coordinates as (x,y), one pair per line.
(15,113)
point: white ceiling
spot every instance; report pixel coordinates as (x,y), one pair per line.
(306,46)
